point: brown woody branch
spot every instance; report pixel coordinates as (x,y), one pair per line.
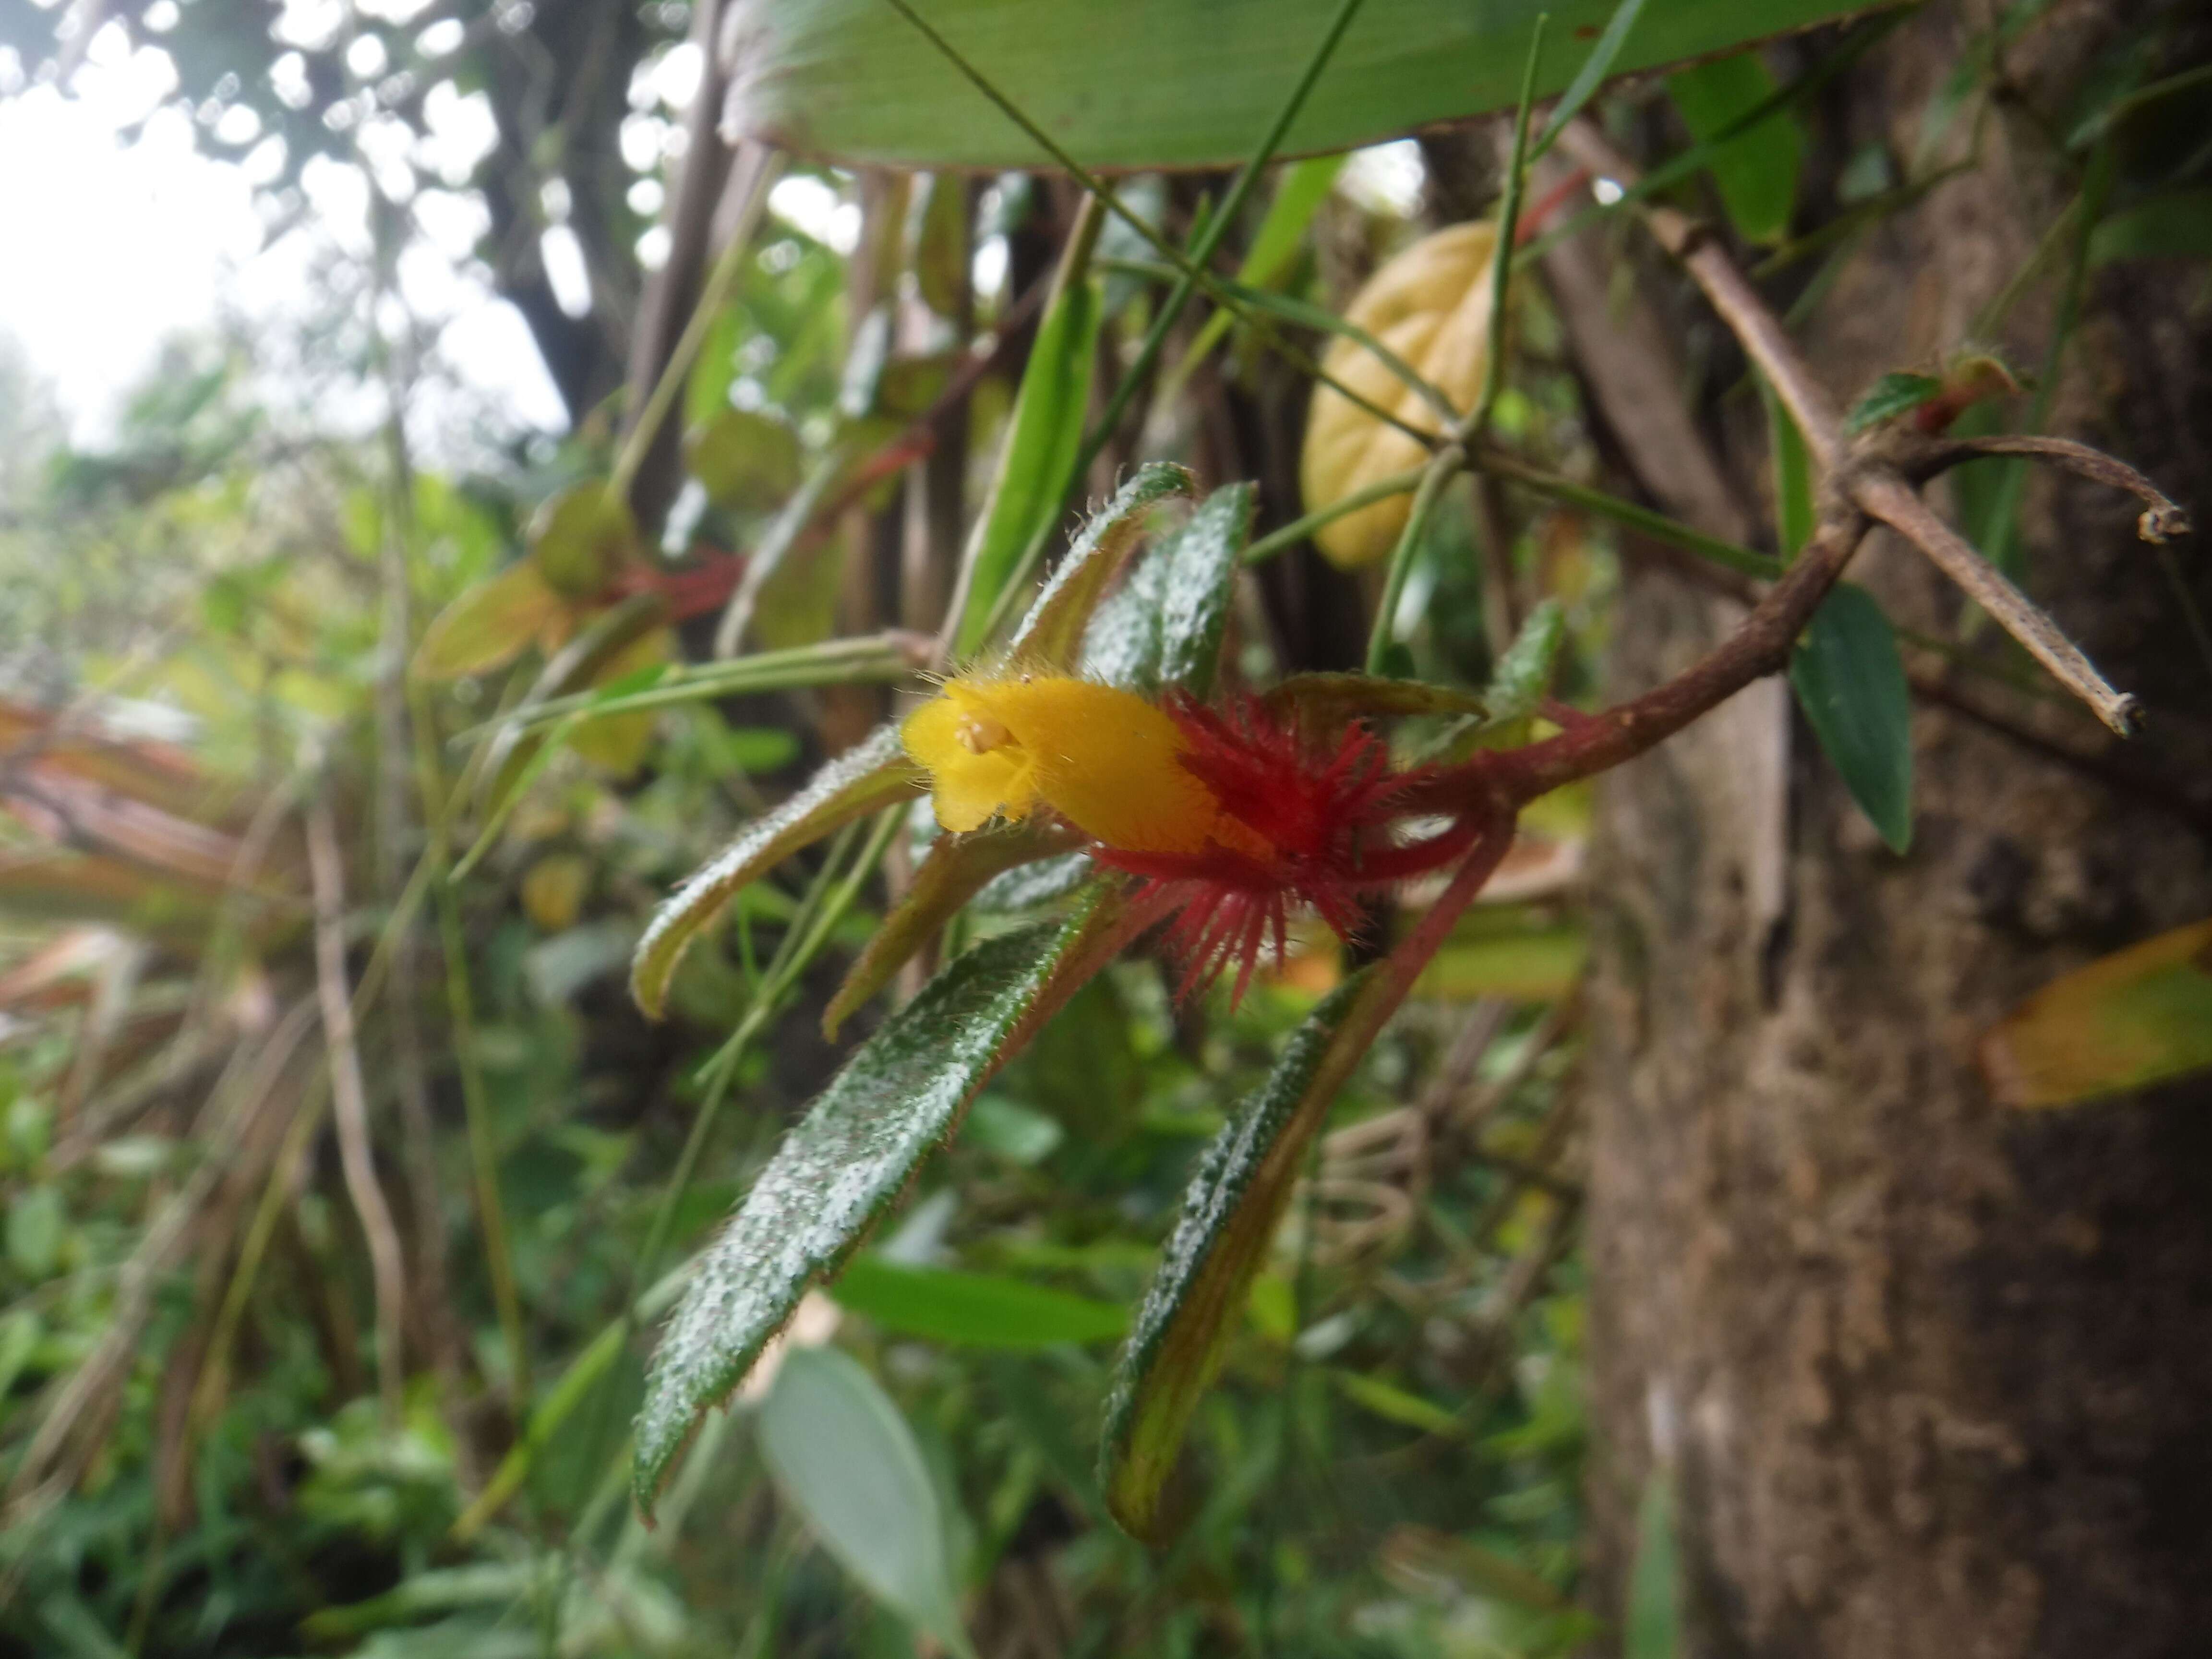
(2163,519)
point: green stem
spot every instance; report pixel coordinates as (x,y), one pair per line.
(1434,477)
(1299,530)
(713,296)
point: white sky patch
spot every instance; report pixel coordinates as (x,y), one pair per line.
(808,205)
(112,249)
(1385,178)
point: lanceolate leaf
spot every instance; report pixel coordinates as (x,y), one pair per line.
(1324,702)
(1653,1627)
(842,1455)
(1166,626)
(874,772)
(1050,635)
(1523,677)
(487,625)
(957,869)
(897,1098)
(2127,1021)
(1174,83)
(981,1310)
(1041,441)
(1229,1216)
(1849,680)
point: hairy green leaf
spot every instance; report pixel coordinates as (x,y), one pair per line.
(1172,83)
(874,772)
(844,1457)
(1849,680)
(1050,636)
(2129,1020)
(897,1099)
(980,1310)
(1166,625)
(1229,1216)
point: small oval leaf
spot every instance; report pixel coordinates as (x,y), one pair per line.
(748,460)
(581,538)
(1850,682)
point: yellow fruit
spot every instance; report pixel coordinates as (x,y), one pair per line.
(1432,307)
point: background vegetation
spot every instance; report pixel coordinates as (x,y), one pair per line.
(345,1185)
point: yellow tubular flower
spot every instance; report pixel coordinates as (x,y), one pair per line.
(1104,759)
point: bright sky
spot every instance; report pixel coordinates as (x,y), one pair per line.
(113,246)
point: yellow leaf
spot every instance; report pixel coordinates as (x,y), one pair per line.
(487,625)
(618,741)
(1432,307)
(553,890)
(2127,1021)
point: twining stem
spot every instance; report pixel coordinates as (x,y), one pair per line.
(713,295)
(351,1094)
(1299,530)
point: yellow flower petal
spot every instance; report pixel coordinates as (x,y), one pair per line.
(968,788)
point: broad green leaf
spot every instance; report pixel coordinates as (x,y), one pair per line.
(895,1102)
(1896,393)
(874,772)
(1043,436)
(980,1310)
(844,1457)
(958,868)
(1166,626)
(1173,83)
(1652,1627)
(1229,1216)
(1757,170)
(2126,1021)
(581,538)
(1849,681)
(1590,77)
(488,625)
(748,460)
(1051,634)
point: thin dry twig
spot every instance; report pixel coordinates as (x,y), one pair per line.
(350,1098)
(2163,518)
(1890,499)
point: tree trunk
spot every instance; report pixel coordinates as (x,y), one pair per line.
(1929,1376)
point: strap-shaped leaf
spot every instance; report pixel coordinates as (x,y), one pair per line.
(874,772)
(2126,1021)
(1172,83)
(1851,683)
(1229,1216)
(1035,468)
(1051,634)
(1166,626)
(897,1098)
(957,869)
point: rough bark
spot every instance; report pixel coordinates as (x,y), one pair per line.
(1930,1375)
